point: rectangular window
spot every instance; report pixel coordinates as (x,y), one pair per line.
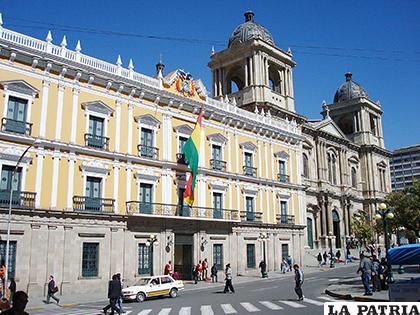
(218,256)
(216,152)
(147,149)
(12,257)
(282,167)
(90,260)
(93,193)
(250,256)
(182,141)
(6,178)
(248,159)
(283,212)
(95,137)
(144,260)
(146,198)
(284,250)
(217,205)
(249,204)
(16,115)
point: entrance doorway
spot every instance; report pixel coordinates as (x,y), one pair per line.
(336,228)
(184,255)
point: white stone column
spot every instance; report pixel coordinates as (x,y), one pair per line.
(261,197)
(167,136)
(229,152)
(117,125)
(267,195)
(273,218)
(70,180)
(236,152)
(260,171)
(44,107)
(128,183)
(273,175)
(38,181)
(130,129)
(251,70)
(289,163)
(167,186)
(246,72)
(266,159)
(201,181)
(230,194)
(75,104)
(59,120)
(116,184)
(54,190)
(238,196)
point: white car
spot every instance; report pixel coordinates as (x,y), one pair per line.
(151,287)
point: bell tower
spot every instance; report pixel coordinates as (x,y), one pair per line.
(254,71)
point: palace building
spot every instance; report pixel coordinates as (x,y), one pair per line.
(100,188)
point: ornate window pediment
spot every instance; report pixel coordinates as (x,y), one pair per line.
(12,155)
(282,155)
(382,164)
(250,190)
(147,176)
(248,146)
(217,138)
(98,107)
(148,121)
(94,168)
(20,86)
(183,129)
(218,185)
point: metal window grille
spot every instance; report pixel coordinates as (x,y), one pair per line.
(144,260)
(11,267)
(218,256)
(90,260)
(250,256)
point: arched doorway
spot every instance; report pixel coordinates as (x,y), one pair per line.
(336,228)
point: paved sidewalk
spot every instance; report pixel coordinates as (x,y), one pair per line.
(36,303)
(352,289)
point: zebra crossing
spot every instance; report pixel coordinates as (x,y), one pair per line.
(238,308)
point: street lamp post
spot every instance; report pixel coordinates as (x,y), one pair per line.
(152,241)
(9,216)
(330,237)
(385,214)
(263,237)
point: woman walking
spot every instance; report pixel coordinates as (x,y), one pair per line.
(228,285)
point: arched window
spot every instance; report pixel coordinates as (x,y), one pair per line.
(332,168)
(353,177)
(305,166)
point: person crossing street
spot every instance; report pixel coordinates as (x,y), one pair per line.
(298,281)
(228,279)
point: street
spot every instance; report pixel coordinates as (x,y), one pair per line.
(268,296)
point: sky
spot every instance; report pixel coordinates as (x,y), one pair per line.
(378,41)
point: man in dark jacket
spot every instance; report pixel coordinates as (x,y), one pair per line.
(114,293)
(52,289)
(298,281)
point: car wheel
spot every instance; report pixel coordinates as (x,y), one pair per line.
(140,297)
(173,293)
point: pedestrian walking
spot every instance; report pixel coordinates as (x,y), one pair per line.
(120,301)
(383,274)
(325,256)
(195,274)
(213,272)
(20,299)
(52,289)
(284,265)
(168,268)
(289,261)
(319,258)
(263,268)
(365,268)
(375,274)
(348,255)
(228,279)
(200,270)
(114,293)
(12,288)
(298,281)
(205,266)
(338,255)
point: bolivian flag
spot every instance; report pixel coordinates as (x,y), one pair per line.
(191,152)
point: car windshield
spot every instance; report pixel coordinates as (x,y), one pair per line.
(143,281)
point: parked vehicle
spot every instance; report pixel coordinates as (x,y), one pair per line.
(151,287)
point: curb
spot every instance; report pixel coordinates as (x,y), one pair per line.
(368,299)
(338,295)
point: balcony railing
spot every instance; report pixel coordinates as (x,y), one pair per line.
(218,165)
(95,141)
(285,219)
(20,199)
(251,216)
(89,204)
(180,159)
(283,178)
(148,152)
(16,126)
(171,210)
(250,171)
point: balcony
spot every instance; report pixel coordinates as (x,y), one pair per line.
(16,126)
(180,159)
(20,199)
(250,171)
(250,216)
(148,152)
(89,204)
(283,178)
(95,141)
(177,211)
(285,219)
(218,165)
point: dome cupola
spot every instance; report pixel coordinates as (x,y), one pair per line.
(250,30)
(349,90)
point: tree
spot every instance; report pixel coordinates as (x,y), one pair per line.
(362,228)
(406,208)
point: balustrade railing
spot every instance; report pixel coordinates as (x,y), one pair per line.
(91,204)
(251,216)
(95,141)
(218,165)
(16,126)
(20,199)
(283,178)
(285,219)
(180,158)
(250,171)
(172,210)
(148,152)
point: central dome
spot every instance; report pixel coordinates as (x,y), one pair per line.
(349,90)
(250,30)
